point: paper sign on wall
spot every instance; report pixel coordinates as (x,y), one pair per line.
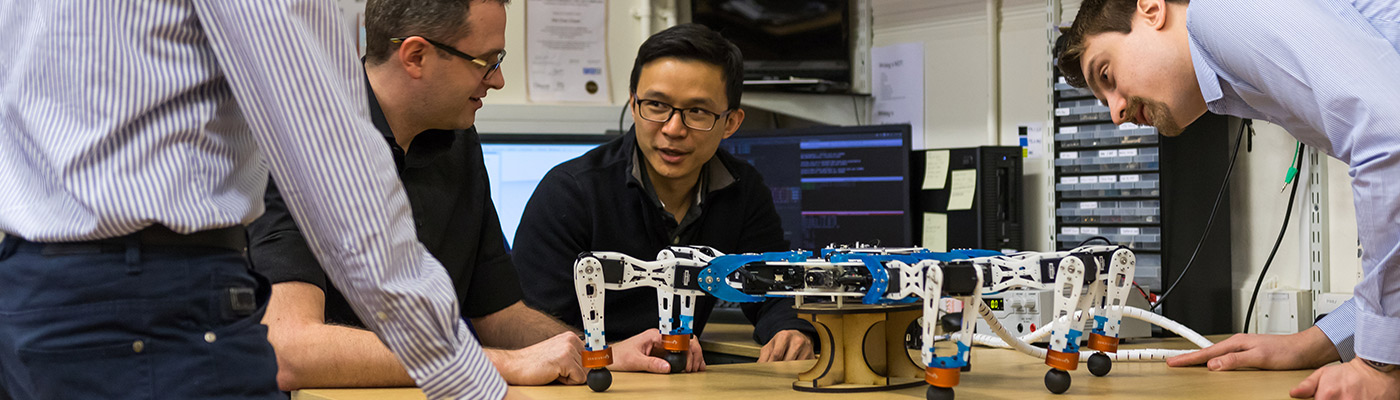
(1031,136)
(964,188)
(936,232)
(897,72)
(565,51)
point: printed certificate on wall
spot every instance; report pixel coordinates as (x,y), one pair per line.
(566,51)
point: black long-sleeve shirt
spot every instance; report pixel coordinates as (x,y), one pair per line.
(602,201)
(445,179)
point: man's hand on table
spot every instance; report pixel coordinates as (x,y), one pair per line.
(787,345)
(644,352)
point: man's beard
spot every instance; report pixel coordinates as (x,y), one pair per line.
(1157,115)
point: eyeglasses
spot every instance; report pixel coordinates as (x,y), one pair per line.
(490,66)
(695,118)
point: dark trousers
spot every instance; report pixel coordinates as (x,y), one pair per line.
(133,321)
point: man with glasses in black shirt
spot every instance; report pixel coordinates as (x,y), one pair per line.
(424,90)
(664,184)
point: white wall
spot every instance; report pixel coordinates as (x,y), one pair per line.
(1025,98)
(955,60)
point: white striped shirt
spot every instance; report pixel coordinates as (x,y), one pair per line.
(116,115)
(1328,71)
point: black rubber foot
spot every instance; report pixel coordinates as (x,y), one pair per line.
(1057,380)
(1100,364)
(677,361)
(939,393)
(599,379)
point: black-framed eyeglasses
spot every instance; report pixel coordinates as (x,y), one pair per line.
(695,118)
(490,66)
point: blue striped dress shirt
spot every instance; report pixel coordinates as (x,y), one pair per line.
(116,115)
(1328,71)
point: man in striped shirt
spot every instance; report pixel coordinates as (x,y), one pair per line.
(136,140)
(1328,71)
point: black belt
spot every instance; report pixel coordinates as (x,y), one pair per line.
(232,238)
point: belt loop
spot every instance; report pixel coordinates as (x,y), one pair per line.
(133,253)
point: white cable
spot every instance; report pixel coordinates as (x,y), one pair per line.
(1165,323)
(1168,324)
(1120,355)
(1003,337)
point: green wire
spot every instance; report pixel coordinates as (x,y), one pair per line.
(1293,165)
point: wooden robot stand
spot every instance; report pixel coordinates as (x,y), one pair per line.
(862,348)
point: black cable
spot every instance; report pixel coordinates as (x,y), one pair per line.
(620,117)
(1249,312)
(1224,186)
(855,107)
(1104,239)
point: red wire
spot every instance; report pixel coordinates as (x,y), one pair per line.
(1144,292)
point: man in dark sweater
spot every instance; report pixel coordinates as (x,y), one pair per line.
(666,183)
(427,67)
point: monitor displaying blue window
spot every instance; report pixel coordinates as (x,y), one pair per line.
(834,185)
(516,163)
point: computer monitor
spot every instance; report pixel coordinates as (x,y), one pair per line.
(777,37)
(516,163)
(834,185)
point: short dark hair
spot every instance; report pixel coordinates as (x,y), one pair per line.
(695,42)
(1095,17)
(440,20)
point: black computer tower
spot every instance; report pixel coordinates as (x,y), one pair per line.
(1193,168)
(994,221)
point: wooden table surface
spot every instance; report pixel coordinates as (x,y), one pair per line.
(996,374)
